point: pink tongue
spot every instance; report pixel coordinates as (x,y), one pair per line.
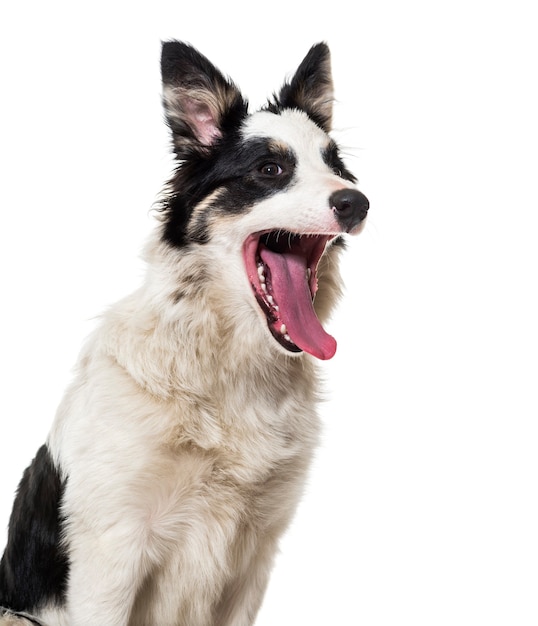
(292,294)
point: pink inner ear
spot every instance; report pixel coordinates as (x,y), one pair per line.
(202,120)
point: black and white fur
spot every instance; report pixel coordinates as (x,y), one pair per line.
(179,452)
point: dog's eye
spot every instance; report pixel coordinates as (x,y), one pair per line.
(270,169)
(337,171)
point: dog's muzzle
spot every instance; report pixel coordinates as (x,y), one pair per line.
(350,207)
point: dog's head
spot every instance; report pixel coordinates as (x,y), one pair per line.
(267,192)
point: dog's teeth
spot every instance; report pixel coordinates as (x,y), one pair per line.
(287,337)
(264,287)
(276,308)
(308,273)
(283,329)
(270,299)
(261,274)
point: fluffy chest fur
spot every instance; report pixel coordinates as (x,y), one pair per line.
(201,484)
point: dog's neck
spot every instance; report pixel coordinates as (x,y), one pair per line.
(173,319)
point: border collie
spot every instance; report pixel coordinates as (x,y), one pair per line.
(179,452)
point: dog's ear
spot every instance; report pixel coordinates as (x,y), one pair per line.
(199,102)
(311,88)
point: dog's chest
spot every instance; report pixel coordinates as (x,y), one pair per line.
(207,482)
(213,530)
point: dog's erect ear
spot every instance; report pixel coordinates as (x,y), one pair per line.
(311,88)
(199,102)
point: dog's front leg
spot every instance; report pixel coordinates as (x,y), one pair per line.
(105,574)
(243,597)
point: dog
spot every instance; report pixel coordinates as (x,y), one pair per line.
(179,452)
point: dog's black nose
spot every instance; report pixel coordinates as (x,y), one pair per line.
(350,207)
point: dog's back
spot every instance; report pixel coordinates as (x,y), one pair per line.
(179,452)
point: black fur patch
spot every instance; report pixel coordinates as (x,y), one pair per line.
(34,568)
(236,169)
(332,158)
(310,89)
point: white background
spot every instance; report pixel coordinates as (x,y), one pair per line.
(422,505)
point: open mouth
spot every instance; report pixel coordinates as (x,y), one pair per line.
(282,269)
